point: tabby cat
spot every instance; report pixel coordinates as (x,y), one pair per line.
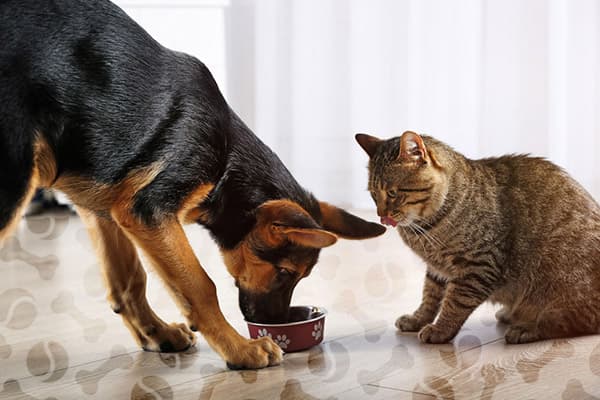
(515,230)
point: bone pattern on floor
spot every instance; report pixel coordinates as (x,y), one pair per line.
(293,390)
(319,362)
(89,380)
(400,359)
(152,387)
(92,328)
(347,303)
(11,250)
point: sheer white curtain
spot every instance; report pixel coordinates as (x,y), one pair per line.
(488,77)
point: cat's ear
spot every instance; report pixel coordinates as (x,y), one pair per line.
(368,143)
(412,149)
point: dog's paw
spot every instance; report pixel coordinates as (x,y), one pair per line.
(169,338)
(256,353)
(432,333)
(409,323)
(516,334)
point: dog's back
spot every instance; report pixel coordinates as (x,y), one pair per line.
(75,73)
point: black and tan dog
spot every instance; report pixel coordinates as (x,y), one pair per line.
(142,141)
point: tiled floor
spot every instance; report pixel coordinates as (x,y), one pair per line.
(59,339)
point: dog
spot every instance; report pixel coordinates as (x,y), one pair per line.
(142,141)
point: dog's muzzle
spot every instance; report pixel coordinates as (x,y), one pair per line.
(265,308)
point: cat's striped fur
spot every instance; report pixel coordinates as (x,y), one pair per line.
(514,230)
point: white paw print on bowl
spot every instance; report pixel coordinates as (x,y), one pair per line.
(263,332)
(282,341)
(317,331)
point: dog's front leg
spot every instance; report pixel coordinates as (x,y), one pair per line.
(126,282)
(169,250)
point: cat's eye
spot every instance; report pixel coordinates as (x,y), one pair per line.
(392,193)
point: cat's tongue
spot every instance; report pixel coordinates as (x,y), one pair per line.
(388,221)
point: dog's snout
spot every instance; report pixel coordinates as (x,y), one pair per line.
(264,308)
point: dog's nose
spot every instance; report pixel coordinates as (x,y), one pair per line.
(248,311)
(266,308)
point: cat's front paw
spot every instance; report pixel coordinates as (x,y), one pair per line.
(409,323)
(516,334)
(432,333)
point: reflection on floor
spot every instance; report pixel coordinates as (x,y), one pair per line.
(59,338)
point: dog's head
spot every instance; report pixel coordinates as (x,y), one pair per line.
(281,249)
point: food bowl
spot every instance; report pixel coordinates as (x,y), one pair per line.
(305,329)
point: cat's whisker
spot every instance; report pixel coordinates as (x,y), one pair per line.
(423,233)
(429,236)
(436,239)
(412,229)
(428,225)
(433,241)
(440,243)
(423,221)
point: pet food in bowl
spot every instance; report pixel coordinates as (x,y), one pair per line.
(305,329)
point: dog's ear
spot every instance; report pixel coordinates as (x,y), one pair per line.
(280,220)
(368,143)
(347,225)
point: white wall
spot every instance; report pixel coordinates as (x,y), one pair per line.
(489,77)
(196,27)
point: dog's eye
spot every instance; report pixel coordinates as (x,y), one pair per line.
(392,193)
(283,271)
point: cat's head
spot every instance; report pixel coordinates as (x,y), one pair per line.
(407,181)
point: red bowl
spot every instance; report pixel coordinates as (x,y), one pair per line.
(306,329)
